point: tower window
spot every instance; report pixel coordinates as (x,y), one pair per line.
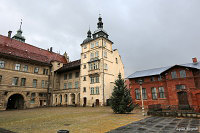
(105,54)
(116,61)
(92,45)
(97,44)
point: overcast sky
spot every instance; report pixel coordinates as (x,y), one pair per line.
(147,33)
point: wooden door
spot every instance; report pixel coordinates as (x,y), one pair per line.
(183,100)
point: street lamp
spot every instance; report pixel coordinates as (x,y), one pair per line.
(140,82)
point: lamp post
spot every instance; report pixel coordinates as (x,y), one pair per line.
(140,82)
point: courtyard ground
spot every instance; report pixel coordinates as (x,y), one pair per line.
(161,125)
(74,119)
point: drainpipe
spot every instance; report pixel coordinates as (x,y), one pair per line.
(103,73)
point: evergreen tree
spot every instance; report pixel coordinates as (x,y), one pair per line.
(121,101)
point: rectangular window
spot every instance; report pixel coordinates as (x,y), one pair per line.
(32,101)
(34,83)
(154,93)
(137,94)
(84,89)
(77,74)
(43,83)
(116,60)
(162,92)
(85,46)
(70,75)
(97,79)
(65,76)
(144,93)
(97,43)
(25,68)
(97,54)
(0,79)
(2,64)
(173,75)
(91,66)
(65,85)
(97,90)
(92,45)
(15,81)
(92,90)
(84,78)
(105,66)
(104,43)
(91,55)
(69,85)
(91,80)
(182,74)
(95,65)
(85,56)
(17,67)
(105,54)
(45,71)
(152,79)
(84,66)
(23,81)
(179,87)
(159,78)
(76,84)
(36,70)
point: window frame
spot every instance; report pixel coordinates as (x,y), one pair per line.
(23,81)
(174,75)
(36,70)
(2,64)
(15,81)
(182,74)
(34,83)
(154,93)
(17,67)
(137,94)
(161,93)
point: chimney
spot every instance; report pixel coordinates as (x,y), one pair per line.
(194,60)
(9,34)
(51,49)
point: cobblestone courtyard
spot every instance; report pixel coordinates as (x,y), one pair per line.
(74,119)
(161,125)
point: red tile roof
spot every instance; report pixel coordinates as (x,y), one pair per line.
(13,47)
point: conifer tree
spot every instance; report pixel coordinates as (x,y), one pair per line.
(121,101)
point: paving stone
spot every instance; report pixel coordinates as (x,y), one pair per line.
(161,125)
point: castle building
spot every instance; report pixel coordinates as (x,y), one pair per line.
(33,77)
(175,86)
(26,73)
(100,66)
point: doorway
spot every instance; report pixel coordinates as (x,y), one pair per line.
(84,101)
(97,102)
(15,101)
(183,103)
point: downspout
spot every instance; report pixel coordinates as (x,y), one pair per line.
(103,73)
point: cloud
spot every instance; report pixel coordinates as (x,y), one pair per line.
(148,34)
